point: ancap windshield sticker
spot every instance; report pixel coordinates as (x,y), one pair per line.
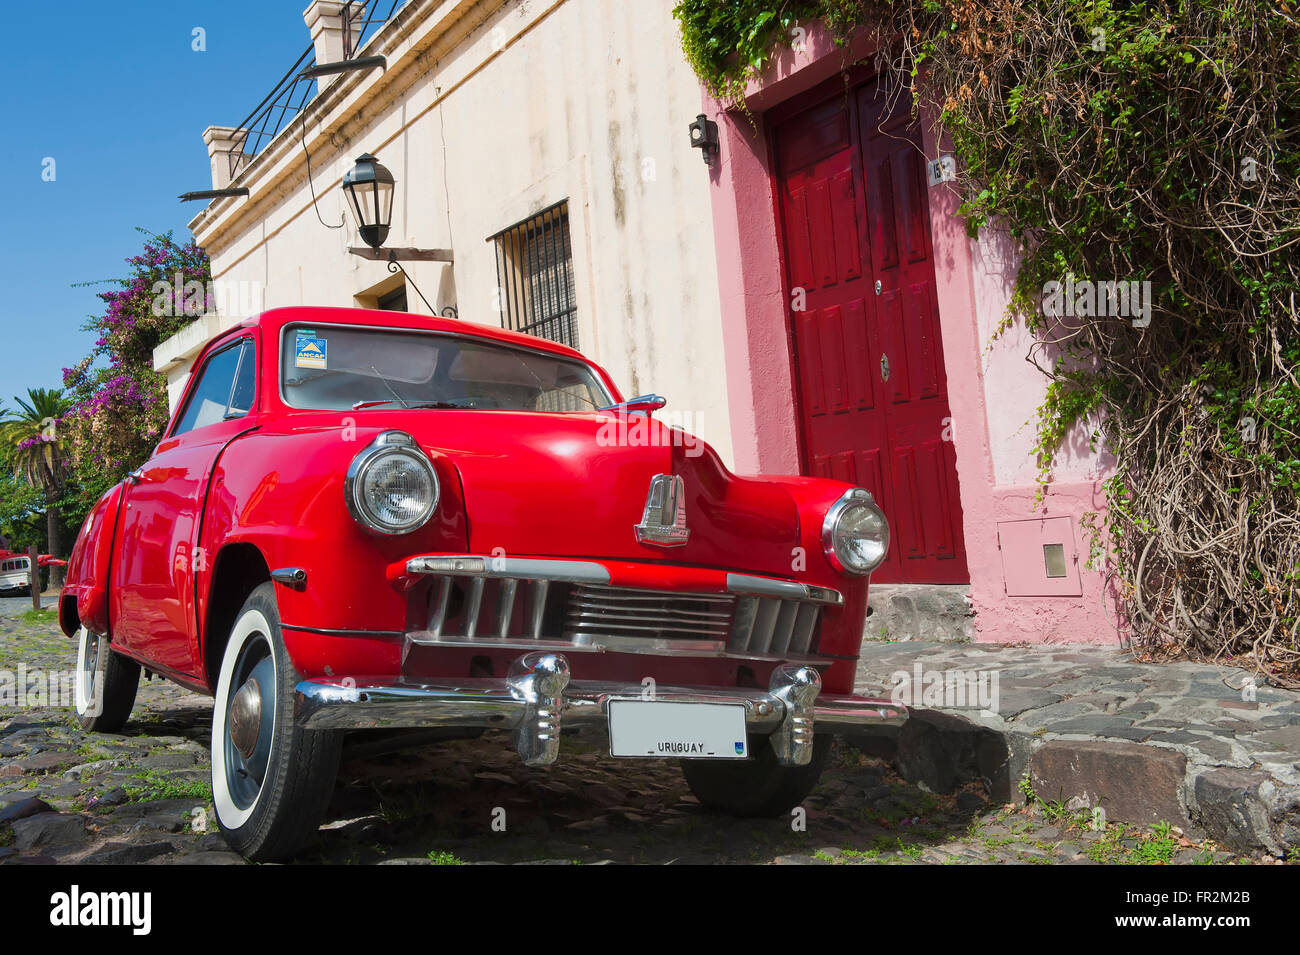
(310,352)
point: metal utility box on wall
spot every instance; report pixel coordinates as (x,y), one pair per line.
(1040,558)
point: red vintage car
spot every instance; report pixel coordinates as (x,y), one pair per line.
(363,520)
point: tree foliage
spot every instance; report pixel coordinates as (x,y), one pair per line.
(31,438)
(33,447)
(119,403)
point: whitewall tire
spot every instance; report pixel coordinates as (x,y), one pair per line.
(105,684)
(271,779)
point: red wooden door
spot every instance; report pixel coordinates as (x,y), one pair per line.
(871,390)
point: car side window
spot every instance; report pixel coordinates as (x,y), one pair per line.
(241,396)
(224,390)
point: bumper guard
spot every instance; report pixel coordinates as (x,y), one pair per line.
(536,699)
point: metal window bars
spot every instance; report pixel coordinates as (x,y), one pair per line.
(289,96)
(535,292)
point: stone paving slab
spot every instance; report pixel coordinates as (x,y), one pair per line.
(143,796)
(1092,726)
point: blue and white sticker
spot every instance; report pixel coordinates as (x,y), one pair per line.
(310,352)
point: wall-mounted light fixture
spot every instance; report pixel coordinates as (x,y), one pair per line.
(369,187)
(704,137)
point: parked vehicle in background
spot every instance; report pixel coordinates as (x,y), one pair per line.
(15,574)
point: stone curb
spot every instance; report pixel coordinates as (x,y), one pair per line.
(1247,810)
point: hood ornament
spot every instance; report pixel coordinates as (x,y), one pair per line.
(664,520)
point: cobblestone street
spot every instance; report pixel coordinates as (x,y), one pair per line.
(144,796)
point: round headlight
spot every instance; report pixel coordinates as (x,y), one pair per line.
(855,534)
(391,486)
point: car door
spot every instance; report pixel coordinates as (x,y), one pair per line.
(152,609)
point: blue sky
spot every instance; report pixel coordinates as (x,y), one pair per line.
(114,93)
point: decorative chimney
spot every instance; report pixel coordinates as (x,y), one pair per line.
(329,33)
(222,143)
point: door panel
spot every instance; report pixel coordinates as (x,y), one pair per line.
(871,389)
(922,342)
(152,605)
(153,596)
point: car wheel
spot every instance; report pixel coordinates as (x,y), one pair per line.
(105,684)
(271,779)
(758,786)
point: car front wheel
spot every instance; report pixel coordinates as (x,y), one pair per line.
(104,686)
(758,786)
(271,779)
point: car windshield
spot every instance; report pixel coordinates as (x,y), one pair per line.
(334,369)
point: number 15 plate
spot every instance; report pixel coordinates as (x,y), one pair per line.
(677,730)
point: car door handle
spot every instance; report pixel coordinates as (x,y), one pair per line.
(884,367)
(135,476)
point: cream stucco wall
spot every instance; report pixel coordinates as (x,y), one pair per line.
(487,113)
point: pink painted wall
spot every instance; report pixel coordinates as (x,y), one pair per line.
(993,390)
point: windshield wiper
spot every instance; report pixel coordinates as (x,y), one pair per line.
(543,385)
(391,390)
(405,404)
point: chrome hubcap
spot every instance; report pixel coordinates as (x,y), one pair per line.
(246,717)
(248,729)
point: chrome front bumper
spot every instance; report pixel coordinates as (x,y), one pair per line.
(537,699)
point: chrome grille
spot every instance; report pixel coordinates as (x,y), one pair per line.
(472,606)
(649,614)
(525,611)
(773,626)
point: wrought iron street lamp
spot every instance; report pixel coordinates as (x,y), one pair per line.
(369,188)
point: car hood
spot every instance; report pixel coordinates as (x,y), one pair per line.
(576,485)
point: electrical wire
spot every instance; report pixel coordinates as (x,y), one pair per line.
(312,187)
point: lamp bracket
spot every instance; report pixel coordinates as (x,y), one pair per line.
(343,66)
(213,193)
(402,255)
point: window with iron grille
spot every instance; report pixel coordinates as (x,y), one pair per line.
(535,276)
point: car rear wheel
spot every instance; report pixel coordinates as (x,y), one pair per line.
(758,786)
(271,779)
(105,684)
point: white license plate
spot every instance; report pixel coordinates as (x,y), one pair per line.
(677,730)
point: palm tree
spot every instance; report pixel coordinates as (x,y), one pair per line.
(30,439)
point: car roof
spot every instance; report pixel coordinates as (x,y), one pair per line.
(275,319)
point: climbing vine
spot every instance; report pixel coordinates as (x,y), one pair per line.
(1144,157)
(119,403)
